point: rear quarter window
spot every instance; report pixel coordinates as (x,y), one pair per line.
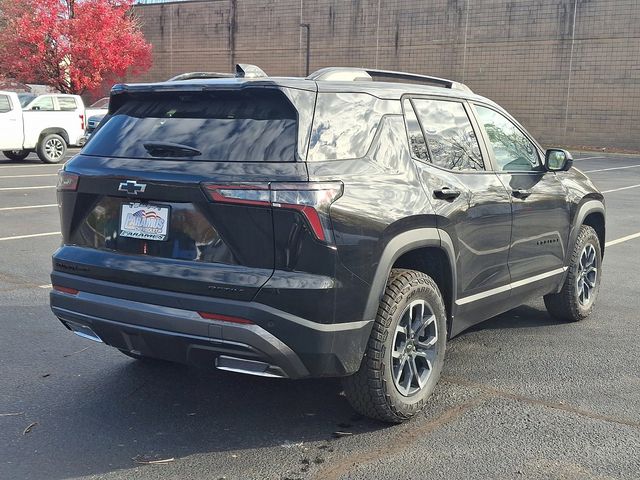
(345,124)
(250,125)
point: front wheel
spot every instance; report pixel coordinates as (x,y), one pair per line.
(582,283)
(405,353)
(16,155)
(51,148)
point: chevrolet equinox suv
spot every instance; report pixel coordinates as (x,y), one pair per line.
(345,224)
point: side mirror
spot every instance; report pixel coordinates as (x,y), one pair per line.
(35,108)
(557,160)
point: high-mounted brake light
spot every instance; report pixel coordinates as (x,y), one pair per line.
(67,181)
(311,199)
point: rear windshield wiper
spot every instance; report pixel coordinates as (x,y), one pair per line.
(166,149)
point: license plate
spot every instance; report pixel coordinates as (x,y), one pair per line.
(143,221)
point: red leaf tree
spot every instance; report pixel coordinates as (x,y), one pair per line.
(75,46)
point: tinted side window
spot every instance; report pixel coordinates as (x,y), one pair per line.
(344,125)
(511,148)
(43,104)
(450,136)
(418,146)
(5,104)
(67,103)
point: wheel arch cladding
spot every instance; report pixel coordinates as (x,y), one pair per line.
(428,250)
(54,130)
(591,212)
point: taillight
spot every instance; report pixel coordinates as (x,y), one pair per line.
(311,199)
(67,181)
(81,122)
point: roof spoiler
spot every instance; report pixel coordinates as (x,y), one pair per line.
(246,70)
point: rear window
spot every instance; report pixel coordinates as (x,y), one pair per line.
(67,103)
(5,104)
(252,125)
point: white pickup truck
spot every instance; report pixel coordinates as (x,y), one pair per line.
(47,125)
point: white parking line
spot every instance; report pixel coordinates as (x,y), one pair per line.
(48,205)
(25,188)
(622,188)
(590,158)
(59,165)
(18,237)
(29,176)
(612,168)
(622,239)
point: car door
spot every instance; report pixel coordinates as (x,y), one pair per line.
(473,207)
(540,209)
(10,124)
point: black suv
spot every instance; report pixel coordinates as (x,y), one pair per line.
(344,224)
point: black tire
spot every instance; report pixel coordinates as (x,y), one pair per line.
(16,155)
(51,148)
(372,391)
(569,304)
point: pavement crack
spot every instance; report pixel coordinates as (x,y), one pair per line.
(495,392)
(408,434)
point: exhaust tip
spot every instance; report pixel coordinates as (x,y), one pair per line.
(249,367)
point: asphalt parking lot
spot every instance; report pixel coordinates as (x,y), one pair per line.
(522,395)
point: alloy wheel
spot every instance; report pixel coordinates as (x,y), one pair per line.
(587,275)
(414,348)
(54,148)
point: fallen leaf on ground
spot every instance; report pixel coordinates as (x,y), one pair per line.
(29,428)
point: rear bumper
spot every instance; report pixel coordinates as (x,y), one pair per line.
(166,325)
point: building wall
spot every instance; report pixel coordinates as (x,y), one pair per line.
(569,70)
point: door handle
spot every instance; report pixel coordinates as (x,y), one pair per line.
(522,194)
(446,193)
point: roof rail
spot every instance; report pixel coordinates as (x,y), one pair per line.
(348,74)
(199,76)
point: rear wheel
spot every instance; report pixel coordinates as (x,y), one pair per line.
(405,353)
(52,148)
(16,155)
(580,289)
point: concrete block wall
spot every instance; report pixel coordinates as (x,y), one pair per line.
(569,70)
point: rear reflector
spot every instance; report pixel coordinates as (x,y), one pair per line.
(70,291)
(224,318)
(311,199)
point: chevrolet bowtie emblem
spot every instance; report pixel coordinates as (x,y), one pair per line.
(132,187)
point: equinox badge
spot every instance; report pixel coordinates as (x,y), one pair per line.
(132,187)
